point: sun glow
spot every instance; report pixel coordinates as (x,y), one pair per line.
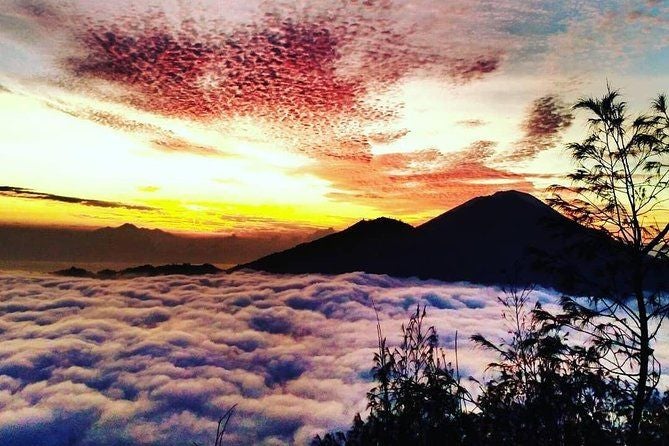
(250,120)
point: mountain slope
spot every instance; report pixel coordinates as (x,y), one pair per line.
(362,246)
(498,238)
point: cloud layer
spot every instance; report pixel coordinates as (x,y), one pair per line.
(157,360)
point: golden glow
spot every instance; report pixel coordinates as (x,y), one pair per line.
(248,187)
(324,144)
(249,182)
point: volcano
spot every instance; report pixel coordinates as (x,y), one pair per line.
(508,238)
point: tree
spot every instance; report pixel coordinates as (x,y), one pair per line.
(619,184)
(417,398)
(656,421)
(544,387)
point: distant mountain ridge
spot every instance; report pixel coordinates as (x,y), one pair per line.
(129,244)
(141,271)
(507,237)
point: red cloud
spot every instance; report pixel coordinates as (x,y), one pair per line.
(547,118)
(288,66)
(298,68)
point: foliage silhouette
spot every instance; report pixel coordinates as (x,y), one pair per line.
(620,180)
(417,398)
(221,427)
(547,390)
(545,387)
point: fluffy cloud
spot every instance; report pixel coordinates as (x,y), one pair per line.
(157,360)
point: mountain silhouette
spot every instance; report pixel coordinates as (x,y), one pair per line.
(361,247)
(129,244)
(186,269)
(496,239)
(509,237)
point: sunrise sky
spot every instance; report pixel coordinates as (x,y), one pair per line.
(245,116)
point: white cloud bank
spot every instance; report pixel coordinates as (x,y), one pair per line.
(156,361)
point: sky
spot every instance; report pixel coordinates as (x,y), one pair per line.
(244,117)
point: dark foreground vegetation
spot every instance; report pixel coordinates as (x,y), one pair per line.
(586,375)
(546,391)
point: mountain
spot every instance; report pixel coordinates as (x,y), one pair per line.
(508,237)
(361,247)
(129,244)
(141,271)
(496,239)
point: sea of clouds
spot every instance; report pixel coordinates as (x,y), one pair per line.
(156,361)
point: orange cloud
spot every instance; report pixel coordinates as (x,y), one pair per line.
(407,183)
